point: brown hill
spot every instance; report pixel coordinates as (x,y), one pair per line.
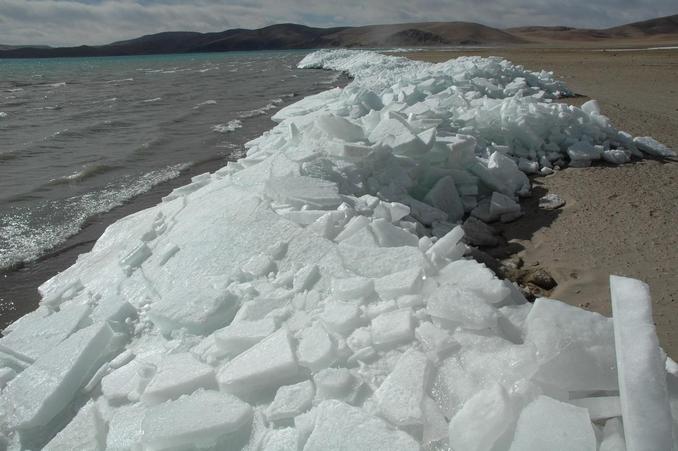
(662,29)
(422,34)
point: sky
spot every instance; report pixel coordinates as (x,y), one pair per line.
(77,22)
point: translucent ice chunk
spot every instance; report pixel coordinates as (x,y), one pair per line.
(316,193)
(340,426)
(316,350)
(206,419)
(392,329)
(290,401)
(266,365)
(178,374)
(444,196)
(482,420)
(32,338)
(575,346)
(400,397)
(45,388)
(86,431)
(239,336)
(641,367)
(549,424)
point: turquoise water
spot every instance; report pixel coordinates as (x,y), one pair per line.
(80,136)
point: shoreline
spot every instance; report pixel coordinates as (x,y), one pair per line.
(617,219)
(20,283)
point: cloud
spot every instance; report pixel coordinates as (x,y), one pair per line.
(75,22)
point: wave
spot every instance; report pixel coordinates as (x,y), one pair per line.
(57,85)
(206,102)
(3,114)
(119,80)
(25,236)
(87,172)
(259,111)
(155,99)
(231,126)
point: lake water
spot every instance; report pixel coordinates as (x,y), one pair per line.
(84,141)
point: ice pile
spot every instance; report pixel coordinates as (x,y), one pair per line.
(314,295)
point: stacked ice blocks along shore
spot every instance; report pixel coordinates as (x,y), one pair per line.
(314,295)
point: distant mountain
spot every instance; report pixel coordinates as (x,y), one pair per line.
(294,36)
(12,47)
(662,28)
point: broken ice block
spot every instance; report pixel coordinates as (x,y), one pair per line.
(205,419)
(341,317)
(501,205)
(401,395)
(266,365)
(613,436)
(601,407)
(290,401)
(392,329)
(653,147)
(301,190)
(399,284)
(337,383)
(436,342)
(86,431)
(199,311)
(45,388)
(482,420)
(641,368)
(33,337)
(125,427)
(239,336)
(447,247)
(547,424)
(575,347)
(316,350)
(178,374)
(444,196)
(388,235)
(452,307)
(340,426)
(352,288)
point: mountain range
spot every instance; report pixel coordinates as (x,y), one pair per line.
(294,36)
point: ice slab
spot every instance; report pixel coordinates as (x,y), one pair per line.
(29,340)
(86,431)
(317,349)
(641,367)
(242,335)
(265,366)
(316,193)
(44,389)
(549,424)
(482,421)
(400,397)
(340,426)
(291,400)
(205,419)
(392,329)
(575,347)
(653,147)
(178,374)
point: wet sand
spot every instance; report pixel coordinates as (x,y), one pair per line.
(618,219)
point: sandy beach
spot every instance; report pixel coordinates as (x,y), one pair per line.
(617,220)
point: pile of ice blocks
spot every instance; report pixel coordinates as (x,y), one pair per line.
(314,295)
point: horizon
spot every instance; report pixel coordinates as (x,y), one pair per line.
(67,23)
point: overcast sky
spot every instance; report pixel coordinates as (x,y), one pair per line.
(75,22)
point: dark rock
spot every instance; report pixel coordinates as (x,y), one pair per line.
(542,279)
